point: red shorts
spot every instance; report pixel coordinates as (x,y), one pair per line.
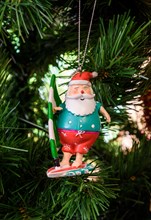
(77,141)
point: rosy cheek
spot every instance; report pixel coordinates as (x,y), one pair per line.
(88,91)
(75,92)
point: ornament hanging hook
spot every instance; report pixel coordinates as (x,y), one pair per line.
(79,35)
(80,65)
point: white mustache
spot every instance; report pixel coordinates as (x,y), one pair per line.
(81,96)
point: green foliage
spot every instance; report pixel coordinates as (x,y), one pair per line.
(119,46)
(68,198)
(24,16)
(132,171)
(118,58)
(9,142)
(80,198)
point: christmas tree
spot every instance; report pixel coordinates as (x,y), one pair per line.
(40,38)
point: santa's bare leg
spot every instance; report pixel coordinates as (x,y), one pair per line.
(66,159)
(78,160)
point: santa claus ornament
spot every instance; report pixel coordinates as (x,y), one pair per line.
(77,125)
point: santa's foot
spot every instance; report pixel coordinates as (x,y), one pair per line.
(76,164)
(64,165)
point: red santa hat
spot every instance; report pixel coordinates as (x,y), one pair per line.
(82,78)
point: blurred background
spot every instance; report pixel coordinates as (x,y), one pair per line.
(40,38)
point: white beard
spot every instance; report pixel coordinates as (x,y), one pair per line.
(80,104)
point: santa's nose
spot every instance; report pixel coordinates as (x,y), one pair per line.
(82,91)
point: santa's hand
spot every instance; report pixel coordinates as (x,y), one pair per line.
(108,119)
(57,108)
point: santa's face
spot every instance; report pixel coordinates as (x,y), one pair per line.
(80,99)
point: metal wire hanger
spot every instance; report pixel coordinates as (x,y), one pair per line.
(81,62)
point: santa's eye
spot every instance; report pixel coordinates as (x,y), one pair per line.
(76,88)
(86,87)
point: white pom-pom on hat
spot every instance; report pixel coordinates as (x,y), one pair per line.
(95,74)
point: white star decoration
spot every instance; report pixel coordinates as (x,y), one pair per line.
(64,134)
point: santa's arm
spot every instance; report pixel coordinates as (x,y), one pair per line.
(105,114)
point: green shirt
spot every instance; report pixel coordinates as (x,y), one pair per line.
(70,121)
